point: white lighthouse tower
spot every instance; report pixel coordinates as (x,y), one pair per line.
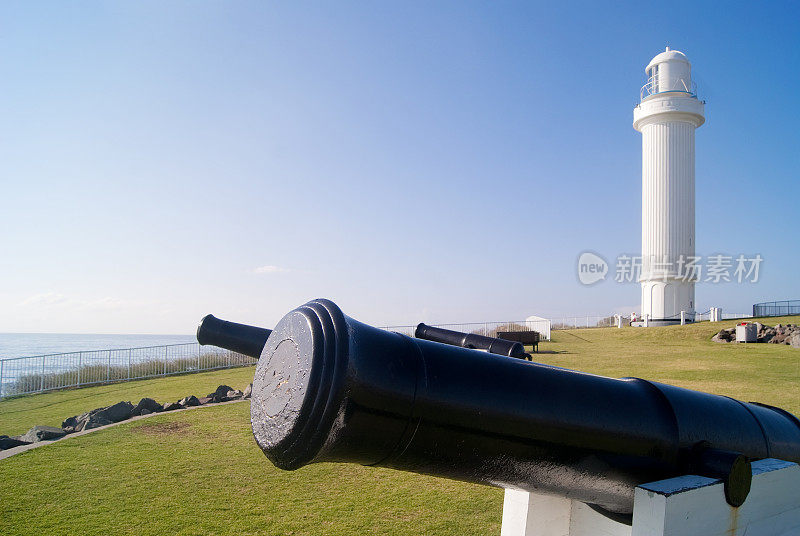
(667,116)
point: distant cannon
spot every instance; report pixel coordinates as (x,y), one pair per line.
(471,340)
(331,389)
(241,338)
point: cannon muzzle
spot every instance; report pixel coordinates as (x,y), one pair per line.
(331,389)
(471,340)
(247,340)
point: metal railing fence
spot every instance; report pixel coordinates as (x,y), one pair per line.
(706,316)
(23,375)
(488,329)
(584,321)
(661,84)
(544,327)
(777,308)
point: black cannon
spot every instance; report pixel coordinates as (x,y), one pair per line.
(329,388)
(471,340)
(241,338)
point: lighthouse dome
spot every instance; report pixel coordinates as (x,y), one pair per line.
(669,72)
(668,56)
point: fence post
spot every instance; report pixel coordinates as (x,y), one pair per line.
(198,356)
(129,362)
(80,355)
(41,382)
(166,348)
(108,367)
(2,362)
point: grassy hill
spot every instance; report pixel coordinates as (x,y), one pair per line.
(200,472)
(19,414)
(685,356)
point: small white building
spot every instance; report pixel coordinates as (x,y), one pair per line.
(542,325)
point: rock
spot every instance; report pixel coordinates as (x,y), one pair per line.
(718,338)
(766,335)
(189,401)
(42,433)
(70,425)
(11,442)
(778,339)
(170,406)
(76,423)
(234,394)
(220,395)
(146,412)
(95,420)
(146,404)
(116,413)
(723,336)
(205,400)
(98,417)
(248,391)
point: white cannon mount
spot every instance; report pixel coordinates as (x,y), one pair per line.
(689,505)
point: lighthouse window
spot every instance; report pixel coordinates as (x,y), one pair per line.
(654,79)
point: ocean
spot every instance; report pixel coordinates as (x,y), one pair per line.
(33,344)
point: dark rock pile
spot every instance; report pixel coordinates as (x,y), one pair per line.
(118,412)
(780,334)
(98,417)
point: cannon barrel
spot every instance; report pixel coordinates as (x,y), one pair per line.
(331,389)
(471,340)
(241,338)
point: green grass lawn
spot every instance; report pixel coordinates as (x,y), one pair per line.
(19,414)
(200,472)
(685,356)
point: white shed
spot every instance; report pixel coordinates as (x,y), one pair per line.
(542,325)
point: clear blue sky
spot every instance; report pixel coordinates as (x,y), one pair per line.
(413,161)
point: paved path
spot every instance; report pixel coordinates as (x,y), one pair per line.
(24,448)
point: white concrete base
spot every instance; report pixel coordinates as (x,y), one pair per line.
(530,514)
(667,298)
(656,323)
(683,506)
